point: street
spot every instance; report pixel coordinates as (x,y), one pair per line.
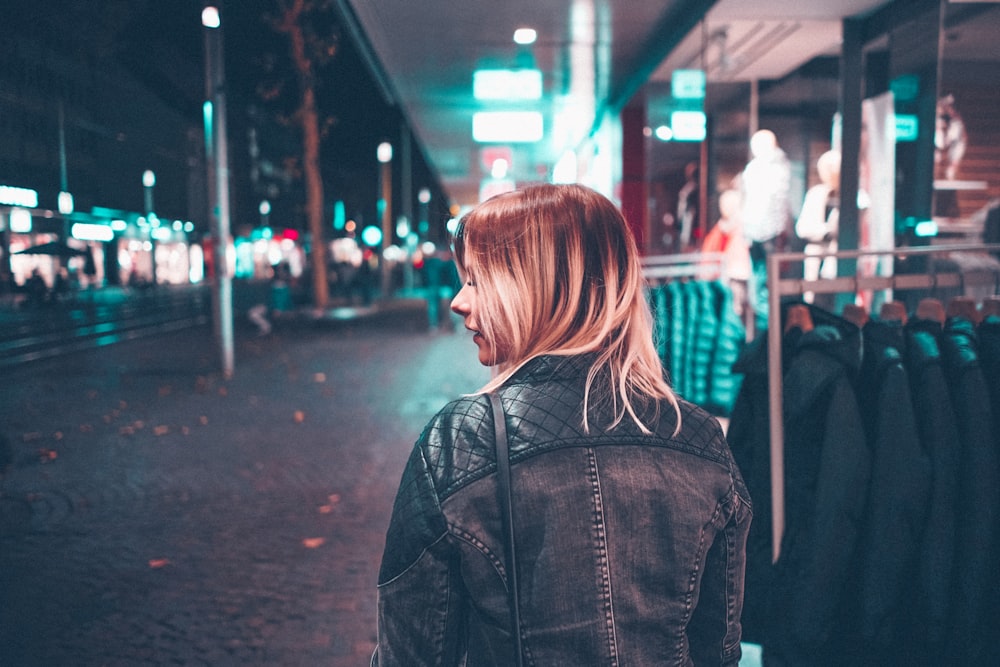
(156,513)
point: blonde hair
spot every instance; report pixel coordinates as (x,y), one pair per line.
(557,272)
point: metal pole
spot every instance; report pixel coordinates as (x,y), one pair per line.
(219,180)
(148,182)
(385,177)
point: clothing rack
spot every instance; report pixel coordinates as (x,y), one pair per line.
(663,268)
(779,287)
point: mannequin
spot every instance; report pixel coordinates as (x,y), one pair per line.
(766,212)
(819,220)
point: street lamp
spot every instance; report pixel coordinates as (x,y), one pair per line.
(384,154)
(148,181)
(217,163)
(423,225)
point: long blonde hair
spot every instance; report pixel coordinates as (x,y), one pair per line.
(557,272)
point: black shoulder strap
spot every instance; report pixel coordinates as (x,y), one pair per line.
(506,514)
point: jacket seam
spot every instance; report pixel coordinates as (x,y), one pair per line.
(600,534)
(415,561)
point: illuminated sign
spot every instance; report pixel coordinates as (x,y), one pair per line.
(687,84)
(18,196)
(20,220)
(507,84)
(907,127)
(688,125)
(86,231)
(507,126)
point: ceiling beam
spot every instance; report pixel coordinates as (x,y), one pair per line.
(673,26)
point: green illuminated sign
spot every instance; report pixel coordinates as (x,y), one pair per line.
(907,127)
(688,84)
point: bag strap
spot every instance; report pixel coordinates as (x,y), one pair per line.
(507,519)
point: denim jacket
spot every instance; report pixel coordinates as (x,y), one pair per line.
(631,547)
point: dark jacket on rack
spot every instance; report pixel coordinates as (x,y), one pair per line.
(989,357)
(827,472)
(938,434)
(978,528)
(630,546)
(900,491)
(749,439)
(796,607)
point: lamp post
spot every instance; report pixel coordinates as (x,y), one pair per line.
(218,180)
(148,182)
(423,224)
(384,154)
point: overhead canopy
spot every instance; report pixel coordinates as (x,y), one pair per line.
(592,55)
(55,249)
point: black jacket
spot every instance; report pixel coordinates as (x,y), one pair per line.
(978,529)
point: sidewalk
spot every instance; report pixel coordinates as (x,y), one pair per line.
(157,514)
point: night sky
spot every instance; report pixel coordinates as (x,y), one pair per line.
(162,43)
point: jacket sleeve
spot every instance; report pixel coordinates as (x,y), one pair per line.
(420,594)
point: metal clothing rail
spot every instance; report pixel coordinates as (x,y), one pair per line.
(778,287)
(683,265)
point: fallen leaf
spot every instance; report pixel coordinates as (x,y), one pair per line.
(58,435)
(203,420)
(223,391)
(319,377)
(334,498)
(157,563)
(313,542)
(126,430)
(325,509)
(47,455)
(299,416)
(185,430)
(161,430)
(139,424)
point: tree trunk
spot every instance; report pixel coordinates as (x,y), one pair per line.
(308,117)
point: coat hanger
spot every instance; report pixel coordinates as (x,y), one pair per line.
(893,311)
(931,309)
(965,307)
(798,316)
(990,306)
(855,314)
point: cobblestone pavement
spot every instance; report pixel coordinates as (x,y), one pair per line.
(158,514)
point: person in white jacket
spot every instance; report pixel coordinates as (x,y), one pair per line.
(819,220)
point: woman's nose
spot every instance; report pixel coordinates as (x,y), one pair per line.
(460,305)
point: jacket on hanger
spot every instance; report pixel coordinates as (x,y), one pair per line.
(827,473)
(749,440)
(938,433)
(989,357)
(974,621)
(900,491)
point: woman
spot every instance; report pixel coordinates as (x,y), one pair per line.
(630,515)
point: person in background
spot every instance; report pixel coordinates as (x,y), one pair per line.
(630,515)
(687,206)
(766,214)
(726,237)
(819,221)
